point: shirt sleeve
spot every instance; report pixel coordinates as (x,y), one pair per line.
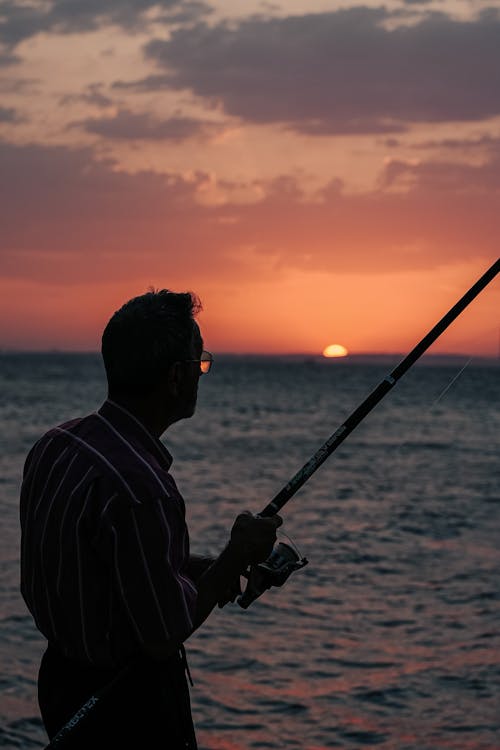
(146,554)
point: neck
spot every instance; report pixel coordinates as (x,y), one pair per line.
(149,411)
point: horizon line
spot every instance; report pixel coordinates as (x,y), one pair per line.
(306,355)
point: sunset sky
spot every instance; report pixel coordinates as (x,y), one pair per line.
(316,171)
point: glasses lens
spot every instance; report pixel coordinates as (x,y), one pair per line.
(205,362)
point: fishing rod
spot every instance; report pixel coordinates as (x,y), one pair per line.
(284,560)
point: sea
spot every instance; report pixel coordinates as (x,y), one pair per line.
(390,637)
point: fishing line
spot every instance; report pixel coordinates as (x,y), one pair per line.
(398,452)
(445,391)
(281,532)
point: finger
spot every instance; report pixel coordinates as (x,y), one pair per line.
(274,521)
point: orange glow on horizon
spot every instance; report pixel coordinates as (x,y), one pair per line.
(254,315)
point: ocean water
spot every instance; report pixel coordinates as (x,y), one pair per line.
(390,637)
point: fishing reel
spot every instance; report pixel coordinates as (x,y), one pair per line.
(278,567)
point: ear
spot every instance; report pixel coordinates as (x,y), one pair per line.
(174,379)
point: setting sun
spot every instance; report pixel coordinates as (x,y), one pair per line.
(335,350)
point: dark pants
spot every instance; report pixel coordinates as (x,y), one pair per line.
(147,708)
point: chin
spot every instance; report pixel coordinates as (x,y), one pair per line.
(190,412)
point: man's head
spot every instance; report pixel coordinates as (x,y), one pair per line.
(147,345)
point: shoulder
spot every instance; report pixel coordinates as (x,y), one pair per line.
(116,465)
(50,445)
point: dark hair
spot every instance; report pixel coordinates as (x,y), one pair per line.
(145,336)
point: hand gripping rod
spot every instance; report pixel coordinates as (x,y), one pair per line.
(376,395)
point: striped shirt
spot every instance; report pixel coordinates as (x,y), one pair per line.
(104,545)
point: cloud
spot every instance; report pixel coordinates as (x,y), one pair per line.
(435,178)
(92,95)
(349,71)
(125,125)
(67,217)
(7,58)
(187,11)
(17,85)
(144,85)
(8,114)
(19,21)
(485,142)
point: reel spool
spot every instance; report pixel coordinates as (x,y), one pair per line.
(278,567)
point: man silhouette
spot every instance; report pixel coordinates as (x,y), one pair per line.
(106,569)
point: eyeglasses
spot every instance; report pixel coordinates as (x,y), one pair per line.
(205,362)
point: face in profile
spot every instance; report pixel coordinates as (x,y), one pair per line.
(188,390)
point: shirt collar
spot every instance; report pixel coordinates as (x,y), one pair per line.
(128,424)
